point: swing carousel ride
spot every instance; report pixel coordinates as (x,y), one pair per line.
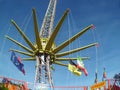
(44,50)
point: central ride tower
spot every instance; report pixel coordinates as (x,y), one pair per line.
(43,71)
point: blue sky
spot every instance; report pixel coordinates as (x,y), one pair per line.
(104,14)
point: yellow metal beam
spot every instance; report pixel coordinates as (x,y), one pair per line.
(75,50)
(21,52)
(19,44)
(67,59)
(29,59)
(59,63)
(64,44)
(23,35)
(38,40)
(57,28)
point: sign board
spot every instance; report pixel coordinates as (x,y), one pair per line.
(98,85)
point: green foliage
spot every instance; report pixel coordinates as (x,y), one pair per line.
(2,87)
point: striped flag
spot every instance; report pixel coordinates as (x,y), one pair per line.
(80,65)
(72,67)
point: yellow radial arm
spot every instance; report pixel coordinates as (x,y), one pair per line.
(64,44)
(75,50)
(16,42)
(29,59)
(67,59)
(23,35)
(38,40)
(57,28)
(59,63)
(21,52)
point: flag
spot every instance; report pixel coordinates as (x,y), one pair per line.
(74,70)
(19,59)
(72,63)
(72,67)
(80,65)
(96,80)
(16,61)
(80,62)
(104,75)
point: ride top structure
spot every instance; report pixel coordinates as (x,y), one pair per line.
(44,51)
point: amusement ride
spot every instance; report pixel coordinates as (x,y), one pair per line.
(44,50)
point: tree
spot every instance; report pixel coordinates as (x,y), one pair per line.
(2,87)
